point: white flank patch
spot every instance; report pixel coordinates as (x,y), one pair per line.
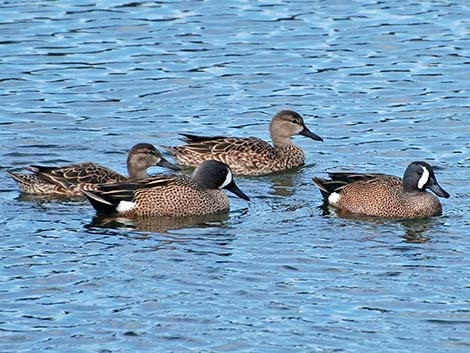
(424,178)
(333,199)
(125,206)
(228,180)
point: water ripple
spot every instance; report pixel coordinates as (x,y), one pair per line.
(384,83)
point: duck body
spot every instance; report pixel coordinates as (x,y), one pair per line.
(170,195)
(159,196)
(70,180)
(382,195)
(249,156)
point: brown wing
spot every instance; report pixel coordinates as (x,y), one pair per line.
(230,150)
(84,173)
(340,181)
(348,177)
(371,190)
(33,184)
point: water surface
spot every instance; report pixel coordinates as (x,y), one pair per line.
(384,83)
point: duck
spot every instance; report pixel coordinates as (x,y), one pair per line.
(249,156)
(169,195)
(382,195)
(70,180)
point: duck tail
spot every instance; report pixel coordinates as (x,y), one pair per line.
(324,187)
(100,204)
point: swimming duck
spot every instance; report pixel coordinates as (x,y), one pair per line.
(382,195)
(169,195)
(249,156)
(70,180)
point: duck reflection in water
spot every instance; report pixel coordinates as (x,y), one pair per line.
(284,183)
(159,224)
(414,229)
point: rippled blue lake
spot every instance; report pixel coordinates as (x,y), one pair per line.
(384,83)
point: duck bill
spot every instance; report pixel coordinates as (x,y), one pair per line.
(436,188)
(232,187)
(308,133)
(164,163)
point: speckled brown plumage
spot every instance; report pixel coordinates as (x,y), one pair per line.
(249,156)
(171,195)
(246,156)
(70,180)
(33,184)
(381,195)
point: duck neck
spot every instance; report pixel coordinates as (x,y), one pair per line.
(135,170)
(411,189)
(409,184)
(281,141)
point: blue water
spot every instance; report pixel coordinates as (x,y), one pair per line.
(384,83)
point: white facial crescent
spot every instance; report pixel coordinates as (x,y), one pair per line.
(228,180)
(424,178)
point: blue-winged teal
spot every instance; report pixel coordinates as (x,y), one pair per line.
(171,195)
(382,195)
(70,180)
(251,155)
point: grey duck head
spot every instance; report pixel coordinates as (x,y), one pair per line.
(419,176)
(217,175)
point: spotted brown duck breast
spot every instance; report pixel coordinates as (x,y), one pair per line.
(70,180)
(382,195)
(251,155)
